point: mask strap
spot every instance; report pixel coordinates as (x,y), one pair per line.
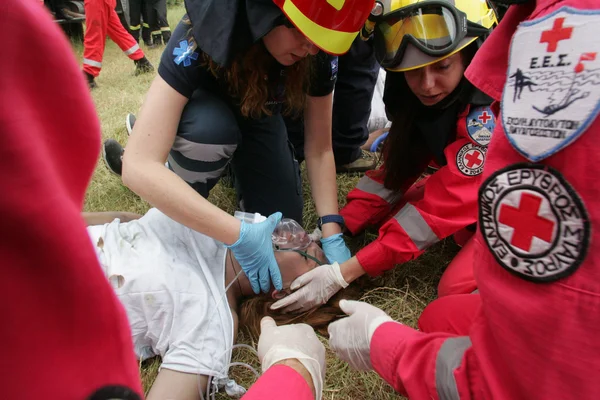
(305,254)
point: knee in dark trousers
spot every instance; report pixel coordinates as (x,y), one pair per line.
(267,175)
(207,138)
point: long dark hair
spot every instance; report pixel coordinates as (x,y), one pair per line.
(245,79)
(405,152)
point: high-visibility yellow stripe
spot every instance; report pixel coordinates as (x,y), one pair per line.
(329,40)
(135,28)
(165,29)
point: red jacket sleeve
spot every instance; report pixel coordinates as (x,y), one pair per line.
(280,382)
(370,202)
(61,306)
(421,365)
(433,209)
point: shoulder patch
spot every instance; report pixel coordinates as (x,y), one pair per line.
(552,91)
(184,53)
(480,125)
(470,159)
(334,68)
(533,222)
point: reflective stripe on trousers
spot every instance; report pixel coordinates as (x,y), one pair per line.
(92,63)
(416,227)
(448,359)
(368,185)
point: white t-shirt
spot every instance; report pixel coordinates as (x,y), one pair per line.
(378,118)
(170,280)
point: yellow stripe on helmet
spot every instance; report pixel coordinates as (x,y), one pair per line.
(328,40)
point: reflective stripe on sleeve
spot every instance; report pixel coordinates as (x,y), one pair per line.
(448,359)
(368,185)
(416,227)
(132,49)
(92,63)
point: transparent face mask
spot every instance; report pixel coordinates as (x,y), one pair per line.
(289,235)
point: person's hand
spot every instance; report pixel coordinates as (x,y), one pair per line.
(350,338)
(314,288)
(335,248)
(296,341)
(254,252)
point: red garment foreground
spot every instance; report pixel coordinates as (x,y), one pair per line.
(65,335)
(537,261)
(280,382)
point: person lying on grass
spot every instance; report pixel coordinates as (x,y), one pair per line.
(172,283)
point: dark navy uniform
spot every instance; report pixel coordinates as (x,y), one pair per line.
(212,132)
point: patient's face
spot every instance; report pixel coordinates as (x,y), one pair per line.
(292,264)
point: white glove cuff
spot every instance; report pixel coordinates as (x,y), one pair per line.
(376,323)
(279,353)
(338,275)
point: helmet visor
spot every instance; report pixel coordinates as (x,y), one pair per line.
(435,28)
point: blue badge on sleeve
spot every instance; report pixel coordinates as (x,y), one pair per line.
(334,68)
(480,125)
(184,53)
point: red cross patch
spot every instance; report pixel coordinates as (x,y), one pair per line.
(470,159)
(533,222)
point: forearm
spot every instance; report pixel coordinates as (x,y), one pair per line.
(101,218)
(351,270)
(320,163)
(169,193)
(321,176)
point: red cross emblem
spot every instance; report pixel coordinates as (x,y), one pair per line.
(484,117)
(556,34)
(473,159)
(526,222)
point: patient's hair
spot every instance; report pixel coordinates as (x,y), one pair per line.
(254,309)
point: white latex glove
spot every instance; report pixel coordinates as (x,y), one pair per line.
(297,341)
(350,338)
(314,289)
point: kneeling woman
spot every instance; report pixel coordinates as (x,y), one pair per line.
(172,282)
(440,123)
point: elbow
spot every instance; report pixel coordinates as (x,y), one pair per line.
(129,174)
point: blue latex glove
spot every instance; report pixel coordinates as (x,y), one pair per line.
(335,248)
(254,252)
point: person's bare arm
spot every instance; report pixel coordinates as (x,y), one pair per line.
(101,218)
(320,162)
(144,171)
(175,385)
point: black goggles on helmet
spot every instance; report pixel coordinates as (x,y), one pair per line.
(434,27)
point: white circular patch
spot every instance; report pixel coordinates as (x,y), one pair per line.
(470,159)
(533,222)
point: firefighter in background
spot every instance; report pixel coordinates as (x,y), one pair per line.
(101,20)
(432,108)
(157,19)
(535,329)
(138,21)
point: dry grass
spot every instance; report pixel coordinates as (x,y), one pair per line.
(402,292)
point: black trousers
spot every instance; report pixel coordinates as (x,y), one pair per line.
(212,135)
(157,19)
(138,12)
(357,75)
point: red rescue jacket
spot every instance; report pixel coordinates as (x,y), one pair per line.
(431,209)
(537,265)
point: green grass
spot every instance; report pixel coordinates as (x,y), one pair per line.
(402,292)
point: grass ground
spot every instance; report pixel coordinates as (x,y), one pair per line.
(402,292)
